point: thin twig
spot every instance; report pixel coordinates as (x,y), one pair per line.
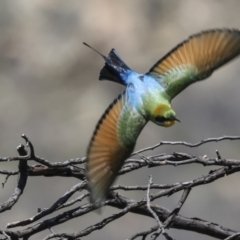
(143,233)
(5,181)
(233,236)
(187,144)
(218,155)
(160,226)
(184,196)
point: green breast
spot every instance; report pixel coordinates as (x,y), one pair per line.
(130,124)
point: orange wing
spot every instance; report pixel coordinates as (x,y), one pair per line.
(196,58)
(106,153)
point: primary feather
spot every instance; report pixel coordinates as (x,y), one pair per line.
(112,142)
(195,59)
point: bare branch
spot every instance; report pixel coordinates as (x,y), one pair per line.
(139,207)
(22,180)
(175,159)
(68,168)
(187,144)
(57,205)
(65,171)
(143,188)
(32,156)
(179,222)
(9,173)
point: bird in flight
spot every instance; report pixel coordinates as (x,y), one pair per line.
(147,97)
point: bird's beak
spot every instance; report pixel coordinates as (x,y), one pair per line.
(176,119)
(173,118)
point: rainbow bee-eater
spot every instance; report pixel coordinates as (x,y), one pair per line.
(147,97)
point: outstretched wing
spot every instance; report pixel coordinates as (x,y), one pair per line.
(112,143)
(195,59)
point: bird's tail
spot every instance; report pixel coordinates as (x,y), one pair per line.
(114,69)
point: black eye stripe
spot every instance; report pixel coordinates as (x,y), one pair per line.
(160,119)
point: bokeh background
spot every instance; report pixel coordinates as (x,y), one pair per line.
(49,90)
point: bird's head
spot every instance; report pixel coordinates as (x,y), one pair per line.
(164,116)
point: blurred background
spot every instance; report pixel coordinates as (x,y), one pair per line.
(50,91)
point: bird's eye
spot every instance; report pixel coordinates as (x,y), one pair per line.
(160,119)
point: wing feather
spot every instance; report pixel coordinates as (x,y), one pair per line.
(196,58)
(109,147)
